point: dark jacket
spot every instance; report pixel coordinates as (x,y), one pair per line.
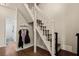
(20,44)
(27,38)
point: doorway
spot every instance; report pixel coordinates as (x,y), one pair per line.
(10,35)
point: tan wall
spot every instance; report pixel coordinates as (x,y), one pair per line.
(72,22)
(4,12)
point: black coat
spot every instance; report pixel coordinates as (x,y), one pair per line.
(20,44)
(27,38)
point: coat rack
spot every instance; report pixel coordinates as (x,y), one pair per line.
(26,38)
(23,27)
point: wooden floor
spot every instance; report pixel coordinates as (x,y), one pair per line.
(30,52)
(40,52)
(2,51)
(66,53)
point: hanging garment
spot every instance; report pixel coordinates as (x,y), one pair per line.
(23,34)
(20,44)
(27,38)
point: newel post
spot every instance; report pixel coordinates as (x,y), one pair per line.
(77,34)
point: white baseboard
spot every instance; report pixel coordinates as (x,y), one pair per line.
(28,46)
(67,48)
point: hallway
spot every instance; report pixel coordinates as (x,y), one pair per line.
(26,25)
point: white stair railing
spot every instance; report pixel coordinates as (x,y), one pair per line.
(47,43)
(43,17)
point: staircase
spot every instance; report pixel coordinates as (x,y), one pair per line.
(45,35)
(44,32)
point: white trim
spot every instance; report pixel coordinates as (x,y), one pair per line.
(35,49)
(67,48)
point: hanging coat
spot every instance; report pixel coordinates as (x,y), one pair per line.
(20,43)
(23,34)
(27,38)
